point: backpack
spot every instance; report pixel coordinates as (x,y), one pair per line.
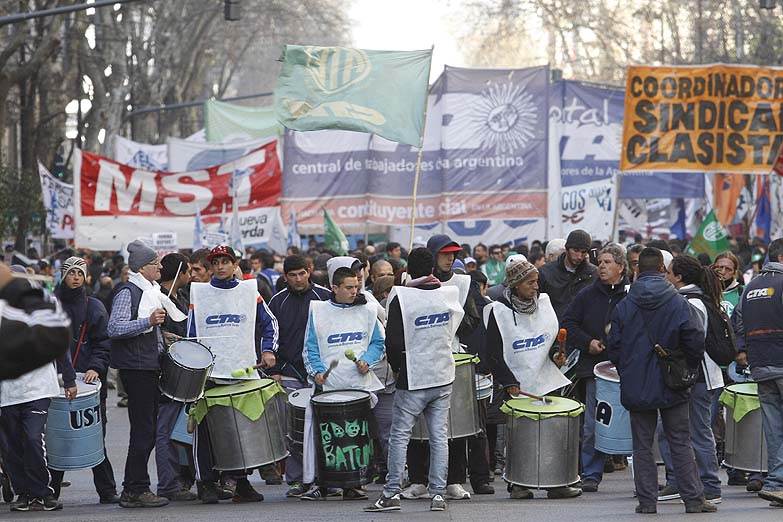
(719,343)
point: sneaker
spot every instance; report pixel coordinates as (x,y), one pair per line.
(609,466)
(754,485)
(438,503)
(47,503)
(565,492)
(385,503)
(354,494)
(224,491)
(123,403)
(415,491)
(208,492)
(179,496)
(483,489)
(456,492)
(712,498)
(314,494)
(109,498)
(776,504)
(704,507)
(295,491)
(520,493)
(334,492)
(590,486)
(772,496)
(620,464)
(271,475)
(737,478)
(647,509)
(668,493)
(246,493)
(142,500)
(22,503)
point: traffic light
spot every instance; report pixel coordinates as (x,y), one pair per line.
(231,10)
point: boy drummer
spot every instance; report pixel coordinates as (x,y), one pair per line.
(344,322)
(234,310)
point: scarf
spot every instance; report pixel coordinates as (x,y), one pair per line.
(518,305)
(428,280)
(74,301)
(152,299)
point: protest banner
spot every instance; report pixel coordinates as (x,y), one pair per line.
(57,199)
(115,199)
(716,118)
(141,155)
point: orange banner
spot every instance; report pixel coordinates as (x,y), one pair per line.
(720,118)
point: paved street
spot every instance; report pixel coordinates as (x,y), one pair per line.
(613,502)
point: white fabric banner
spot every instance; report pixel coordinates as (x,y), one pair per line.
(58,202)
(487,231)
(141,155)
(589,206)
(185,155)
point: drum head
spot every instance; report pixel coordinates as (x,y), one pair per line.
(340,397)
(607,371)
(82,388)
(300,398)
(190,354)
(744,388)
(553,405)
(238,389)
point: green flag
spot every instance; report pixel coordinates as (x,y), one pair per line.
(227,122)
(334,239)
(381,92)
(711,239)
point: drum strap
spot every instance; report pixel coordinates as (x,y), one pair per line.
(79,344)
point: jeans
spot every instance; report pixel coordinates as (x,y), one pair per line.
(166,453)
(676,430)
(143,396)
(408,407)
(23,427)
(771,398)
(592,460)
(702,440)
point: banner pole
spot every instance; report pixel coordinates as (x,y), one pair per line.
(421,150)
(617,184)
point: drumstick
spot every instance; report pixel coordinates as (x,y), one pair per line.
(350,355)
(32,277)
(244,372)
(562,335)
(332,366)
(537,397)
(175,278)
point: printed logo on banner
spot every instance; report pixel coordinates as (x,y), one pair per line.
(714,231)
(506,117)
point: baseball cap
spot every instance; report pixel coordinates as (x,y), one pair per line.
(222,250)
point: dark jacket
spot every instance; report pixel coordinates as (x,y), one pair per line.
(652,305)
(586,318)
(561,285)
(760,317)
(291,310)
(135,352)
(476,342)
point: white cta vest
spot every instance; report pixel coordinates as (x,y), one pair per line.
(339,329)
(40,383)
(526,342)
(229,312)
(462,283)
(430,319)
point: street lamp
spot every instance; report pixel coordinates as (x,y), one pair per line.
(231,10)
(767,4)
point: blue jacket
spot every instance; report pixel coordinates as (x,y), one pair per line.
(670,322)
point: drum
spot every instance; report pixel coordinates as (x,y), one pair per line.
(343,442)
(612,420)
(74,431)
(180,433)
(483,386)
(542,442)
(184,371)
(463,412)
(246,424)
(746,446)
(297,405)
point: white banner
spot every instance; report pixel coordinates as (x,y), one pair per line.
(590,207)
(58,202)
(186,155)
(473,232)
(141,155)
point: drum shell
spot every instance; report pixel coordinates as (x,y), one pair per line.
(463,409)
(74,433)
(180,383)
(746,446)
(295,422)
(240,444)
(180,433)
(612,420)
(542,453)
(341,414)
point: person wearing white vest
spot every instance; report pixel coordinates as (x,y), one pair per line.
(521,328)
(239,329)
(444,252)
(423,318)
(25,404)
(345,322)
(696,283)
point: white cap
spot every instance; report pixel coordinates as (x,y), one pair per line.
(667,259)
(469,260)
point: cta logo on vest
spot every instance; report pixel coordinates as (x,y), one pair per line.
(760,293)
(339,339)
(432,320)
(532,343)
(225,320)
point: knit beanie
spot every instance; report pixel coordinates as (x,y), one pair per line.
(139,255)
(518,272)
(74,263)
(579,239)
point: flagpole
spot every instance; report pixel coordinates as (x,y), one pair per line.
(617,184)
(421,151)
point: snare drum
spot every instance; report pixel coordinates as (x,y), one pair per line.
(297,405)
(483,386)
(184,371)
(746,445)
(74,431)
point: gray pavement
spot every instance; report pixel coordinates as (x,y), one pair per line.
(613,502)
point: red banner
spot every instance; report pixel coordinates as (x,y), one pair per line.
(109,188)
